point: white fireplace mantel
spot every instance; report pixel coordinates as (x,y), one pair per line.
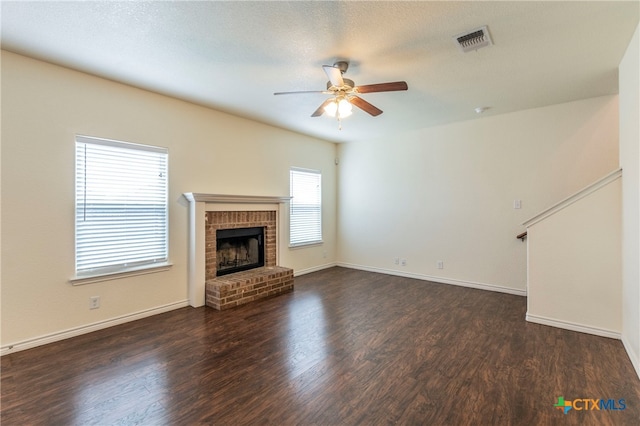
(200,203)
(196,197)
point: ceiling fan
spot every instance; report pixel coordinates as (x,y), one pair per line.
(344,93)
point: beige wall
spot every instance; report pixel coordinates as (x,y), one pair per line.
(443,193)
(43,107)
(447,193)
(629,76)
(575,263)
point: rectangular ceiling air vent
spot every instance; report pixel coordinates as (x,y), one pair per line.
(473,40)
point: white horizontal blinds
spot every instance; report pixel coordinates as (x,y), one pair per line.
(121,205)
(306,207)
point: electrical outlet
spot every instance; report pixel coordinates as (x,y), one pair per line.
(403,262)
(94,302)
(396,260)
(440,264)
(324,254)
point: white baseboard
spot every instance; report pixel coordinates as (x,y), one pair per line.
(442,280)
(568,325)
(314,269)
(633,356)
(77,331)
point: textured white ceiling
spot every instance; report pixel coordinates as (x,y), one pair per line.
(232,56)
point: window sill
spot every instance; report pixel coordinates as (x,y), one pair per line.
(303,245)
(129,272)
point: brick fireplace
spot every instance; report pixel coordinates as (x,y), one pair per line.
(209,213)
(222,220)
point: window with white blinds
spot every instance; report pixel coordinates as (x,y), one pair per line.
(306,207)
(121,206)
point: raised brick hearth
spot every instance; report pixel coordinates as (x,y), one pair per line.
(243,287)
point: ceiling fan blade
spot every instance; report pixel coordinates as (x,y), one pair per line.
(365,106)
(324,92)
(382,87)
(334,74)
(320,110)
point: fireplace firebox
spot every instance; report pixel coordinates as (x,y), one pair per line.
(239,249)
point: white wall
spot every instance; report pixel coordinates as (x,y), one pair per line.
(43,107)
(575,262)
(447,193)
(629,76)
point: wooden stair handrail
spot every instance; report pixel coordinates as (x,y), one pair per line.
(522,236)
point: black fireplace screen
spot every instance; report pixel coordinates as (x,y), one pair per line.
(239,249)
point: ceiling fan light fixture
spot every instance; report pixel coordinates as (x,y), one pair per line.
(331,108)
(339,107)
(344,108)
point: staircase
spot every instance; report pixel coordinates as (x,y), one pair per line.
(574,261)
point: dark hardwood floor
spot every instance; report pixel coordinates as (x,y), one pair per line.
(346,347)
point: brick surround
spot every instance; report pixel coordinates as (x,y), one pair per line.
(243,287)
(238,219)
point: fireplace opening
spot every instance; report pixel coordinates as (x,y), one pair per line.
(239,249)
